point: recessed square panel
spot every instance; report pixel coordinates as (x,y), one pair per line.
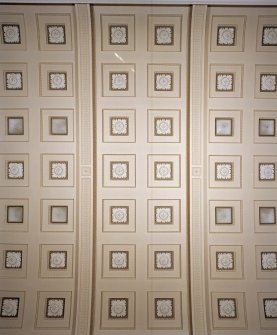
(265,126)
(164,310)
(223,126)
(14,170)
(119,215)
(268,309)
(163,215)
(265,216)
(119,170)
(265,171)
(13,260)
(226,261)
(15,214)
(53,309)
(164,33)
(59,125)
(12,305)
(228,310)
(118,32)
(227,33)
(58,170)
(225,171)
(56,79)
(59,214)
(225,216)
(266,81)
(119,261)
(164,261)
(267,33)
(118,310)
(118,80)
(164,80)
(266,261)
(14,125)
(164,171)
(55,32)
(226,80)
(14,82)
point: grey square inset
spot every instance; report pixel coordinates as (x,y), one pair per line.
(270,308)
(15,214)
(11,34)
(119,215)
(13,81)
(58,170)
(57,260)
(118,34)
(266,171)
(58,214)
(223,127)
(58,125)
(163,170)
(119,126)
(119,81)
(164,34)
(267,127)
(223,215)
(163,260)
(269,36)
(163,126)
(267,215)
(56,34)
(269,261)
(224,82)
(226,35)
(225,260)
(224,171)
(57,81)
(119,170)
(227,308)
(15,170)
(118,308)
(13,259)
(15,126)
(268,82)
(164,308)
(9,307)
(163,214)
(163,81)
(119,260)
(55,308)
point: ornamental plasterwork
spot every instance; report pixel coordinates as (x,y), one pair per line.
(268,82)
(59,170)
(119,170)
(223,171)
(57,81)
(223,127)
(163,214)
(269,36)
(164,35)
(270,308)
(225,261)
(11,34)
(227,308)
(119,126)
(119,260)
(164,308)
(223,215)
(9,307)
(267,215)
(164,260)
(55,308)
(56,34)
(13,259)
(119,81)
(118,308)
(267,171)
(224,82)
(269,260)
(267,127)
(163,126)
(15,170)
(14,81)
(163,81)
(119,35)
(119,215)
(163,170)
(226,35)
(57,260)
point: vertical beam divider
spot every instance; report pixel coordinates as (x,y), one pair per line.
(197,170)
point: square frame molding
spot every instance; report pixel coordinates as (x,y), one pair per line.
(14,68)
(266,322)
(265,273)
(265,70)
(265,21)
(265,183)
(13,322)
(18,135)
(14,19)
(272,132)
(19,224)
(5,159)
(269,216)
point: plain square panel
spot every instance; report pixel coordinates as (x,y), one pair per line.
(12,304)
(14,215)
(225,171)
(15,80)
(265,126)
(55,32)
(118,32)
(14,125)
(227,33)
(13,35)
(265,216)
(267,33)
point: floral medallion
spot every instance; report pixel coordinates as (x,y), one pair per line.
(164,35)
(223,171)
(119,215)
(163,170)
(57,81)
(11,34)
(267,171)
(163,215)
(14,81)
(269,36)
(13,259)
(119,170)
(119,126)
(164,308)
(9,307)
(268,82)
(225,261)
(56,34)
(224,82)
(226,36)
(270,308)
(118,308)
(57,259)
(227,308)
(119,81)
(119,260)
(15,170)
(119,35)
(55,308)
(59,170)
(163,81)
(163,260)
(163,126)
(269,260)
